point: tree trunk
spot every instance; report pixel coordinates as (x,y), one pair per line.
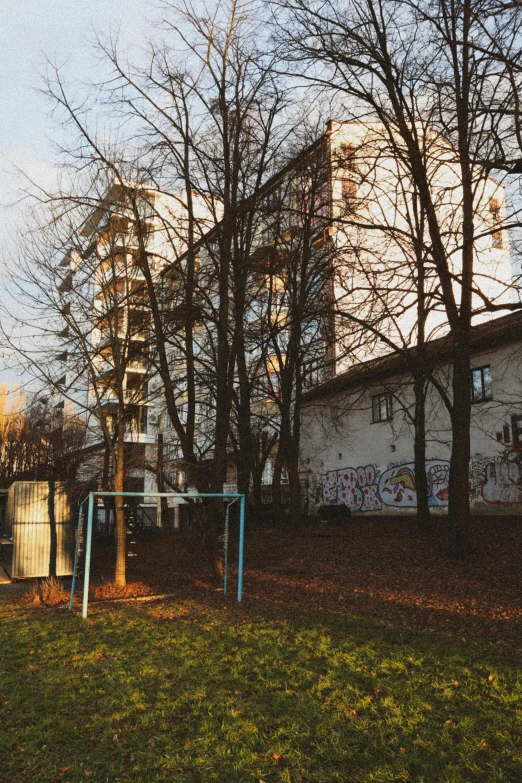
(210,519)
(120,530)
(419,448)
(53,548)
(459,538)
(245,457)
(257,483)
(277,499)
(295,509)
(215,514)
(160,481)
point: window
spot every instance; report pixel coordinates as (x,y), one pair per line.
(270,233)
(259,391)
(266,478)
(381,407)
(349,192)
(282,341)
(213,245)
(273,385)
(315,204)
(312,374)
(494,211)
(481,384)
(348,156)
(274,200)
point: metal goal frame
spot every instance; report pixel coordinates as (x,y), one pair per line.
(233,496)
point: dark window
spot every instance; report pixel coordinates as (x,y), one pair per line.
(315,204)
(481,384)
(259,390)
(381,407)
(273,385)
(312,374)
(282,341)
(349,192)
(348,156)
(494,210)
(274,200)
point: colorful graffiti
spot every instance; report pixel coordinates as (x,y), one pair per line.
(496,482)
(353,487)
(397,486)
(368,488)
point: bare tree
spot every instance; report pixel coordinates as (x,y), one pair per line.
(37,442)
(201,131)
(424,71)
(76,284)
(293,329)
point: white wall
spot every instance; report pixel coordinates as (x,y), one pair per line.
(373,247)
(371,464)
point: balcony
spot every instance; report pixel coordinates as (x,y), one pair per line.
(137,425)
(109,398)
(110,270)
(137,365)
(66,284)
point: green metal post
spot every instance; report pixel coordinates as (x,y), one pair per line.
(76,555)
(87,556)
(241,545)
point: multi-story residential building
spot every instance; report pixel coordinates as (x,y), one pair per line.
(326,231)
(338,221)
(106,332)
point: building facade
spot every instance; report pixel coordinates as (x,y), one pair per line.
(333,246)
(357,444)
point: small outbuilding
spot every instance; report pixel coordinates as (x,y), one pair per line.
(38,535)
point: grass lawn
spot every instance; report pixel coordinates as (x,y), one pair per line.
(191,692)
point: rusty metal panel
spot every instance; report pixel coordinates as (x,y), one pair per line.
(29,516)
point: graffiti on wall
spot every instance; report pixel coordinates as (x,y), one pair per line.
(496,482)
(356,488)
(367,488)
(397,486)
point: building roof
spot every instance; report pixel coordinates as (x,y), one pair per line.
(503,330)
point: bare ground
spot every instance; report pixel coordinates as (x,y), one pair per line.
(380,568)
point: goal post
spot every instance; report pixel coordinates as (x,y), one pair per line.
(233,497)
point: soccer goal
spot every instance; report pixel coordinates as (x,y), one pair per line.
(230,496)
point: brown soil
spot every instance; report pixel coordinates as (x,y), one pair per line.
(375,567)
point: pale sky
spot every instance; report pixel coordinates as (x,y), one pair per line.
(63,31)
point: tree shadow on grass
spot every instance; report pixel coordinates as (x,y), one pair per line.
(204,691)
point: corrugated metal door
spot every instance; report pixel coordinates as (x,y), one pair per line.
(30,507)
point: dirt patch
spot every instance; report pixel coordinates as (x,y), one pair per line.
(380,568)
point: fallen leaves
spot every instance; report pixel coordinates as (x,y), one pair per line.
(382,568)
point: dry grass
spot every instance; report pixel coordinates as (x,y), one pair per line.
(49,591)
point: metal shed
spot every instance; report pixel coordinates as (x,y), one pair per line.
(38,515)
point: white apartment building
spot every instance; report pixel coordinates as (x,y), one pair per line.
(351,194)
(107,321)
(374,213)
